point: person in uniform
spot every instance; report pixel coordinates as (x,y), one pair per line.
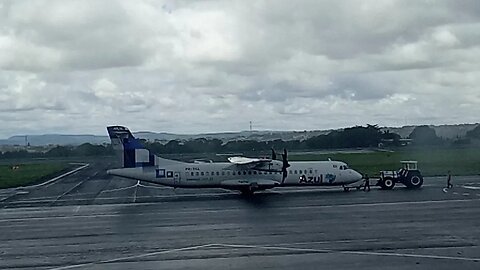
(367,183)
(449,180)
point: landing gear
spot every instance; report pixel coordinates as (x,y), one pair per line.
(247,192)
(346,189)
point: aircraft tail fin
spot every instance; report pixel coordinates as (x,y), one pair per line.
(130,149)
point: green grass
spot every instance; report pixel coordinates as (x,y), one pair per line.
(431,161)
(28,173)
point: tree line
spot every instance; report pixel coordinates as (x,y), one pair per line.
(353,137)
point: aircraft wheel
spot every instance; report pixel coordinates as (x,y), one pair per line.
(346,189)
(387,183)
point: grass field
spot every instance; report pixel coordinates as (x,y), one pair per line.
(28,173)
(431,161)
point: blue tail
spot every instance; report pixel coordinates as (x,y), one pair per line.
(133,153)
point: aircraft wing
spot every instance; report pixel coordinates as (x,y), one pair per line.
(245,160)
(237,183)
(245,163)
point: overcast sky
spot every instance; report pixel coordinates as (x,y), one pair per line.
(210,66)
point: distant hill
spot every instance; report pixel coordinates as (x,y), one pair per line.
(444,131)
(55,139)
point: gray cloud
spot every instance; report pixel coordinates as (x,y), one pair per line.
(205,66)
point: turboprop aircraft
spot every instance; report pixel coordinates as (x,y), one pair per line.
(240,173)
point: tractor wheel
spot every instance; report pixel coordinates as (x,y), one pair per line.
(413,180)
(387,183)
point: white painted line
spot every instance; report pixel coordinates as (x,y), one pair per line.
(456,193)
(445,190)
(133,257)
(60,176)
(135,194)
(195,210)
(412,255)
(68,191)
(117,189)
(47,182)
(468,187)
(466,194)
(353,252)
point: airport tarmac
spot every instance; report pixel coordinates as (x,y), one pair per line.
(90,220)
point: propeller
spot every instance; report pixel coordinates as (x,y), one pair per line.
(274,155)
(285,164)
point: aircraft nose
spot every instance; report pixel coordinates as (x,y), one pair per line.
(356,175)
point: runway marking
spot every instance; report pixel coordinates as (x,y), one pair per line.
(372,253)
(445,190)
(68,191)
(47,183)
(468,187)
(466,194)
(135,192)
(51,181)
(118,189)
(133,257)
(74,187)
(195,210)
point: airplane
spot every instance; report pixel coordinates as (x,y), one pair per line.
(243,174)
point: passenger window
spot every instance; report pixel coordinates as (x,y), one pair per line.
(192,173)
(206,173)
(202,173)
(254,172)
(218,173)
(296,172)
(305,171)
(311,171)
(197,173)
(244,172)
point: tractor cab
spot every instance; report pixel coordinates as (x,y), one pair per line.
(409,165)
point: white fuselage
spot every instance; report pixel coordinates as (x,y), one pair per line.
(200,175)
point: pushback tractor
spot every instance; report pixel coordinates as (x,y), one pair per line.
(409,175)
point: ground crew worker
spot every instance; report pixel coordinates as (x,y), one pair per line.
(367,183)
(449,180)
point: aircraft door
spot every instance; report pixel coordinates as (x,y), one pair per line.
(176,178)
